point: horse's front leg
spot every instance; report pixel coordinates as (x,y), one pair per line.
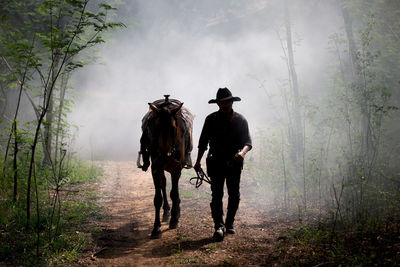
(157,180)
(176,210)
(166,207)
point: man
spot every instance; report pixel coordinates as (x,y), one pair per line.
(227,134)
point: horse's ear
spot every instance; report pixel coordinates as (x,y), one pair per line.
(176,109)
(154,108)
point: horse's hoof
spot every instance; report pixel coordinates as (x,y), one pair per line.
(155,234)
(166,216)
(173,224)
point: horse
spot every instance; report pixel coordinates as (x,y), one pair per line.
(166,138)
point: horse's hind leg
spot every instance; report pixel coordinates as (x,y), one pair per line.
(175,211)
(156,233)
(166,207)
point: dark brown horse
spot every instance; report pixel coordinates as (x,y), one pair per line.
(166,133)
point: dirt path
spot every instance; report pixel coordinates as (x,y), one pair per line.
(124,240)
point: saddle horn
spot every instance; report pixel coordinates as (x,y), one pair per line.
(166,100)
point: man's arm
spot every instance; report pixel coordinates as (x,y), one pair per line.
(203,143)
(197,165)
(241,154)
(246,141)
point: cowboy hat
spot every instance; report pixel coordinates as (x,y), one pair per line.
(222,95)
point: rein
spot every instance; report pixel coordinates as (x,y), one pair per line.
(201,176)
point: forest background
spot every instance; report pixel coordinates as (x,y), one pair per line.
(319,82)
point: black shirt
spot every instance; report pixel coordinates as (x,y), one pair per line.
(225,133)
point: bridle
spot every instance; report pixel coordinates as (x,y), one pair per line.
(200,178)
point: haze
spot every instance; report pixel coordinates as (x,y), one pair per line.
(190,50)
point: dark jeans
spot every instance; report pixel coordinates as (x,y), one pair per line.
(219,171)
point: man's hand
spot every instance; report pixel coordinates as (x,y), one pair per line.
(197,166)
(239,157)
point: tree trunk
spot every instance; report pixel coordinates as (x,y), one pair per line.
(47,147)
(3,104)
(63,88)
(14,125)
(15,164)
(297,140)
(297,136)
(48,136)
(358,81)
(348,26)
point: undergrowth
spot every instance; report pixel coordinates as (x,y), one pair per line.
(69,235)
(366,244)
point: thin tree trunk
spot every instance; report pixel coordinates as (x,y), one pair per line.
(38,215)
(48,85)
(14,125)
(15,166)
(297,135)
(47,146)
(50,115)
(285,186)
(63,88)
(54,201)
(348,26)
(31,166)
(48,136)
(4,104)
(304,168)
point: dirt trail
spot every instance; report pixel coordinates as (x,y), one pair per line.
(124,240)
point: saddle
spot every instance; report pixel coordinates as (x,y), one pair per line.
(186,117)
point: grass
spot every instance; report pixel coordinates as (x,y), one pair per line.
(178,250)
(185,260)
(179,257)
(92,195)
(18,245)
(354,246)
(67,248)
(212,247)
(186,193)
(83,172)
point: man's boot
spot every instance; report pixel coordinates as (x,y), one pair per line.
(231,231)
(229,226)
(233,205)
(219,233)
(217,215)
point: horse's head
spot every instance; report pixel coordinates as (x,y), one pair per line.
(166,131)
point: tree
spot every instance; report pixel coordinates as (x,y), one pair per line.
(66,29)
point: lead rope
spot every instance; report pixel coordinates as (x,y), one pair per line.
(201,176)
